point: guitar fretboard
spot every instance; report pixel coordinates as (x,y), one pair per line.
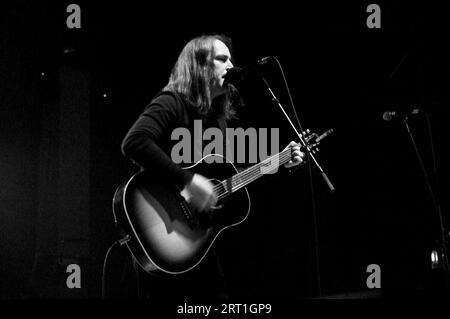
(242,179)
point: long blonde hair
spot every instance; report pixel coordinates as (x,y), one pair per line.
(193,73)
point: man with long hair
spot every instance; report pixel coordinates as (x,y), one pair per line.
(196,91)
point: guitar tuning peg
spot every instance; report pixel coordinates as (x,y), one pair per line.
(307,130)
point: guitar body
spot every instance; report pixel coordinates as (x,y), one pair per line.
(164,233)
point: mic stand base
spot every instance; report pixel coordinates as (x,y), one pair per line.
(437,206)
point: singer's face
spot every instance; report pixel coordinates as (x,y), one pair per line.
(222,62)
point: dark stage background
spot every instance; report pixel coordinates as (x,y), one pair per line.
(68,96)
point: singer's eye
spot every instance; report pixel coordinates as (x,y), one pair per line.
(222,58)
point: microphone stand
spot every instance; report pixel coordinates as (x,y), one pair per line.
(436,203)
(304,145)
(324,176)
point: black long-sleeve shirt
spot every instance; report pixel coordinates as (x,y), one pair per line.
(148,142)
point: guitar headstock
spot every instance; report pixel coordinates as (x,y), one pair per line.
(312,140)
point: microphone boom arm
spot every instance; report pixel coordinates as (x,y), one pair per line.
(304,144)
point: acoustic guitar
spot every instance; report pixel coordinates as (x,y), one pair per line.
(164,233)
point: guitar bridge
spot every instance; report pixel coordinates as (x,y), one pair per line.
(187,212)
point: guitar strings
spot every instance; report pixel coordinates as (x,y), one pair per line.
(255,169)
(238,186)
(247,176)
(284,157)
(241,175)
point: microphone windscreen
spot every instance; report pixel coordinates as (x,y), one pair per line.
(387,116)
(234,75)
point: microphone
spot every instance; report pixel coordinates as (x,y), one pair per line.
(237,74)
(389,115)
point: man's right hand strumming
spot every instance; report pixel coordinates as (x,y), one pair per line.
(199,193)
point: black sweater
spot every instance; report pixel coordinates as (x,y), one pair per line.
(148,142)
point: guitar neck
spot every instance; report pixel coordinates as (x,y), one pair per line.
(251,174)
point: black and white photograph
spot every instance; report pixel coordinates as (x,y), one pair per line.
(224,158)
